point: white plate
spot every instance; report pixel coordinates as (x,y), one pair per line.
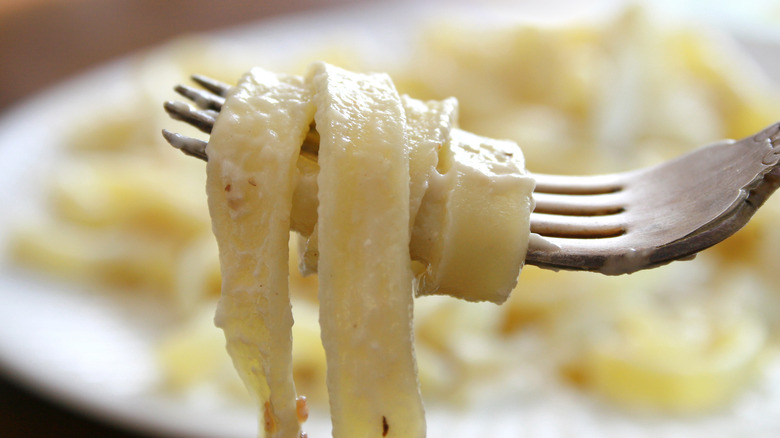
(85,351)
(80,348)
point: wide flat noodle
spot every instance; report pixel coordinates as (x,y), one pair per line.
(428,126)
(473,226)
(364,267)
(251,176)
(427,130)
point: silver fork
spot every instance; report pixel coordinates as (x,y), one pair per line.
(614,223)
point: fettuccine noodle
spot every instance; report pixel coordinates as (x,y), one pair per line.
(379,157)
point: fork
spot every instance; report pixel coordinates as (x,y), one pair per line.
(614,223)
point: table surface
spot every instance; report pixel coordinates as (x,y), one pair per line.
(45,41)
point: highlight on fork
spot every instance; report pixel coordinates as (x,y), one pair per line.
(691,346)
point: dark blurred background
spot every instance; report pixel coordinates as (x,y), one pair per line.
(45,41)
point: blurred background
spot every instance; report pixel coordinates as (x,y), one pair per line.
(43,42)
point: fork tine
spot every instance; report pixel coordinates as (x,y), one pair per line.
(213,85)
(204,99)
(579,205)
(190,146)
(580,185)
(201,119)
(581,227)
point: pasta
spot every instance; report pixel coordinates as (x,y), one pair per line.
(365,269)
(364,231)
(254,147)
